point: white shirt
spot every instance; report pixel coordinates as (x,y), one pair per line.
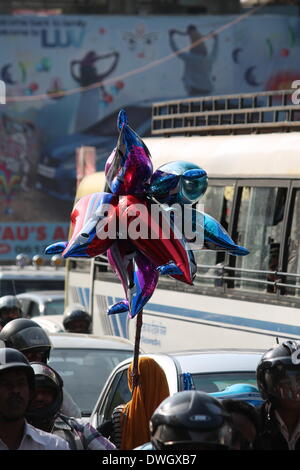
(36,439)
(284,431)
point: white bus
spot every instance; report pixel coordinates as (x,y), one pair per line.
(254,191)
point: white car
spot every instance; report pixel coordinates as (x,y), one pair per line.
(85,362)
(42,302)
(206,370)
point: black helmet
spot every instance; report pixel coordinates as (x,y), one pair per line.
(278,372)
(26,335)
(46,377)
(13,359)
(9,303)
(76,312)
(191,420)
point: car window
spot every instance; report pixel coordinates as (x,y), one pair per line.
(54,307)
(118,393)
(84,372)
(217,382)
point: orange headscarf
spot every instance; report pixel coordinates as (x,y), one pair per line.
(151,390)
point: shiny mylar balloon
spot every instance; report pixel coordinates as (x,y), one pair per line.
(140,245)
(89,218)
(178,182)
(129,166)
(138,275)
(156,240)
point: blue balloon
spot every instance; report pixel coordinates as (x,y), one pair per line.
(55,248)
(216,238)
(169,269)
(119,307)
(178,182)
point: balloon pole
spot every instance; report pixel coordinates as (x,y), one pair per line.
(135,368)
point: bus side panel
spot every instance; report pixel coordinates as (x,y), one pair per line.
(178,320)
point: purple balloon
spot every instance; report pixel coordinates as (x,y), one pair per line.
(137,274)
(129,167)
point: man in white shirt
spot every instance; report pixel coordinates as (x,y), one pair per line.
(16,390)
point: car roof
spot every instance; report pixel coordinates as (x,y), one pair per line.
(87,341)
(209,360)
(217,360)
(42,295)
(203,361)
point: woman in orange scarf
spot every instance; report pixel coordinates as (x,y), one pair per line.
(131,421)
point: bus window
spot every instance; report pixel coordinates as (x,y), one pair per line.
(293,257)
(259,228)
(217,202)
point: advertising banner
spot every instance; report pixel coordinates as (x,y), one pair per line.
(30,238)
(66,78)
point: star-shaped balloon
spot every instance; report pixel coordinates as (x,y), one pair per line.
(138,223)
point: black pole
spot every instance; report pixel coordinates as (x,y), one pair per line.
(135,368)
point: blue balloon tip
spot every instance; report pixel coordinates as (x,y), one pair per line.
(122,119)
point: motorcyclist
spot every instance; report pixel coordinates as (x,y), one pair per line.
(10,308)
(32,340)
(278,380)
(44,413)
(17,388)
(77,319)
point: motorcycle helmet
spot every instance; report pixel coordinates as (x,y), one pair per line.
(245,392)
(10,308)
(13,359)
(278,372)
(74,313)
(191,420)
(46,377)
(26,336)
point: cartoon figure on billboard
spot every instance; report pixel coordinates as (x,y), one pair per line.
(85,73)
(198,62)
(140,42)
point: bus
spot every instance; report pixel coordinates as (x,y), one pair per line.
(250,147)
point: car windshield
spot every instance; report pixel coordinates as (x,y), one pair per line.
(216,382)
(54,307)
(84,372)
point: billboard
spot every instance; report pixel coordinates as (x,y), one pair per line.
(66,78)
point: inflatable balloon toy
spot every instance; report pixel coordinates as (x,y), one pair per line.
(140,246)
(178,182)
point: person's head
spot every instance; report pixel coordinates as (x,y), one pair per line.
(278,375)
(28,337)
(150,377)
(149,391)
(10,308)
(47,398)
(245,392)
(77,319)
(16,385)
(191,420)
(245,421)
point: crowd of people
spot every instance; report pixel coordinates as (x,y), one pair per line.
(37,413)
